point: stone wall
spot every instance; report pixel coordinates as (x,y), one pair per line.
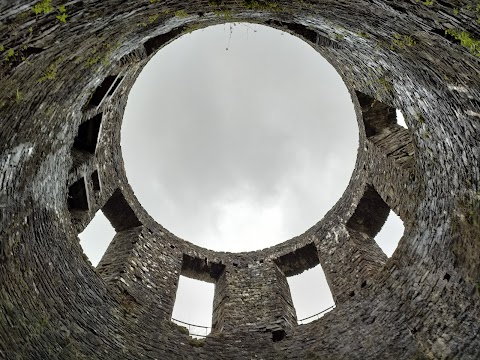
(67,69)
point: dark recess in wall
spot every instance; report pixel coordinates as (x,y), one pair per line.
(102,90)
(201,269)
(87,136)
(119,213)
(370,214)
(155,43)
(78,196)
(299,260)
(376,115)
(96,181)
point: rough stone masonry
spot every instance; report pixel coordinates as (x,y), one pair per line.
(66,70)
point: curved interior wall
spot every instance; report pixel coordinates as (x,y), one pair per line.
(65,77)
(230,165)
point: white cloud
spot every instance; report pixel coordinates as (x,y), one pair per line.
(266,127)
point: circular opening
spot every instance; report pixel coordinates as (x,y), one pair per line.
(238,137)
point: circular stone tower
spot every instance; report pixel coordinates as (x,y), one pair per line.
(66,70)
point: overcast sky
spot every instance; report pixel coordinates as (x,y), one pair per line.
(238,150)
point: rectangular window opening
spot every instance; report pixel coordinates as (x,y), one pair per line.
(102,91)
(96,181)
(193,309)
(311,295)
(78,200)
(115,86)
(96,237)
(87,136)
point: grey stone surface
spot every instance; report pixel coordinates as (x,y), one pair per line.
(64,80)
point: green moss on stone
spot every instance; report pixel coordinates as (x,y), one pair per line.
(197,342)
(466,40)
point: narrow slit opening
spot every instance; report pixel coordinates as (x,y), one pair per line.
(115,86)
(96,185)
(401,119)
